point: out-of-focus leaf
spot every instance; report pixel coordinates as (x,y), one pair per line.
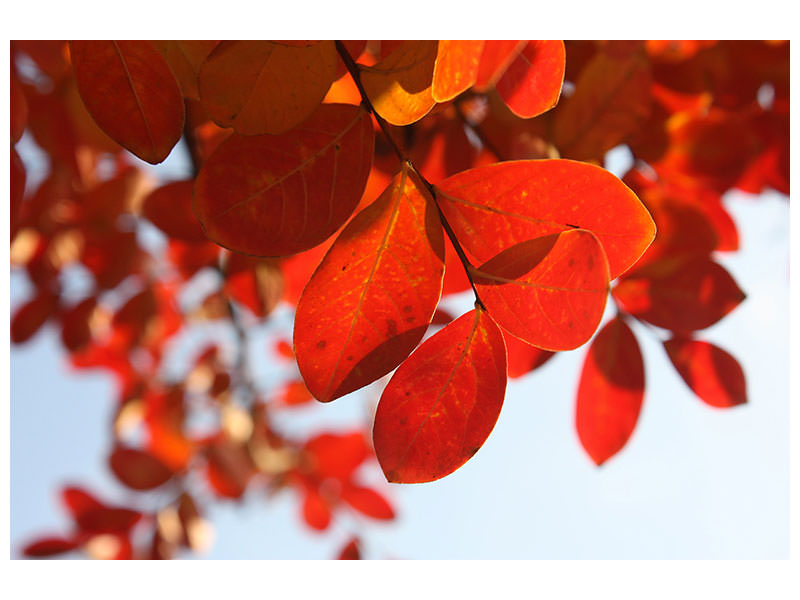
(712,373)
(49,546)
(170,209)
(29,317)
(368,502)
(137,469)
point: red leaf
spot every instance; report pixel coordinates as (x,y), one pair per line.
(350,550)
(532,82)
(138,470)
(258,86)
(610,391)
(92,516)
(170,209)
(316,511)
(337,456)
(456,68)
(300,187)
(524,358)
(496,57)
(367,501)
(295,393)
(229,469)
(550,291)
(713,374)
(131,92)
(369,302)
(494,207)
(49,546)
(442,403)
(685,295)
(75,330)
(29,317)
(17,183)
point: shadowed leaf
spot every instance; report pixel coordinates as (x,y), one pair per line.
(713,374)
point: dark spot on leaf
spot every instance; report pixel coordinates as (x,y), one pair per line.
(321,344)
(410,319)
(350,357)
(408,308)
(391,327)
(571,262)
(590,263)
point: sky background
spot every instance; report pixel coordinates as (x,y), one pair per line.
(692,482)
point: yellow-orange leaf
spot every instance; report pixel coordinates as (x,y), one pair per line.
(279,195)
(260,87)
(369,302)
(399,86)
(550,291)
(456,67)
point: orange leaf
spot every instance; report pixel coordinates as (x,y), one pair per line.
(170,209)
(337,456)
(532,82)
(496,57)
(611,101)
(550,291)
(713,374)
(690,294)
(442,403)
(367,501)
(494,207)
(295,393)
(610,391)
(185,58)
(369,302)
(524,358)
(456,68)
(131,93)
(260,87)
(316,512)
(299,187)
(138,470)
(399,86)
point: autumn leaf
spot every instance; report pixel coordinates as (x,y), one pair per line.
(130,91)
(442,403)
(531,84)
(524,358)
(711,372)
(610,391)
(495,207)
(137,469)
(455,68)
(260,87)
(369,302)
(170,209)
(279,195)
(496,57)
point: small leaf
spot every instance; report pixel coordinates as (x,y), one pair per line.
(49,546)
(279,195)
(170,209)
(30,317)
(337,456)
(524,358)
(369,302)
(399,86)
(367,501)
(75,330)
(315,510)
(442,403)
(131,93)
(456,67)
(712,373)
(686,295)
(138,470)
(494,207)
(260,87)
(610,391)
(350,550)
(532,82)
(550,291)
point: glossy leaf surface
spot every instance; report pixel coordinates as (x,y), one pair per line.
(549,291)
(369,302)
(131,93)
(532,82)
(399,86)
(456,68)
(610,391)
(278,195)
(442,403)
(712,373)
(260,87)
(497,206)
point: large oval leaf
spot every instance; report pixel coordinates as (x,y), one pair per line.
(610,391)
(532,82)
(550,291)
(494,207)
(369,302)
(399,86)
(443,402)
(260,87)
(131,93)
(279,195)
(456,67)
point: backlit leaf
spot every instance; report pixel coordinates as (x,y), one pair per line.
(494,207)
(524,358)
(689,294)
(712,373)
(496,56)
(259,87)
(442,403)
(138,470)
(336,455)
(549,291)
(131,92)
(610,391)
(532,82)
(170,209)
(456,67)
(278,195)
(369,302)
(367,501)
(399,86)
